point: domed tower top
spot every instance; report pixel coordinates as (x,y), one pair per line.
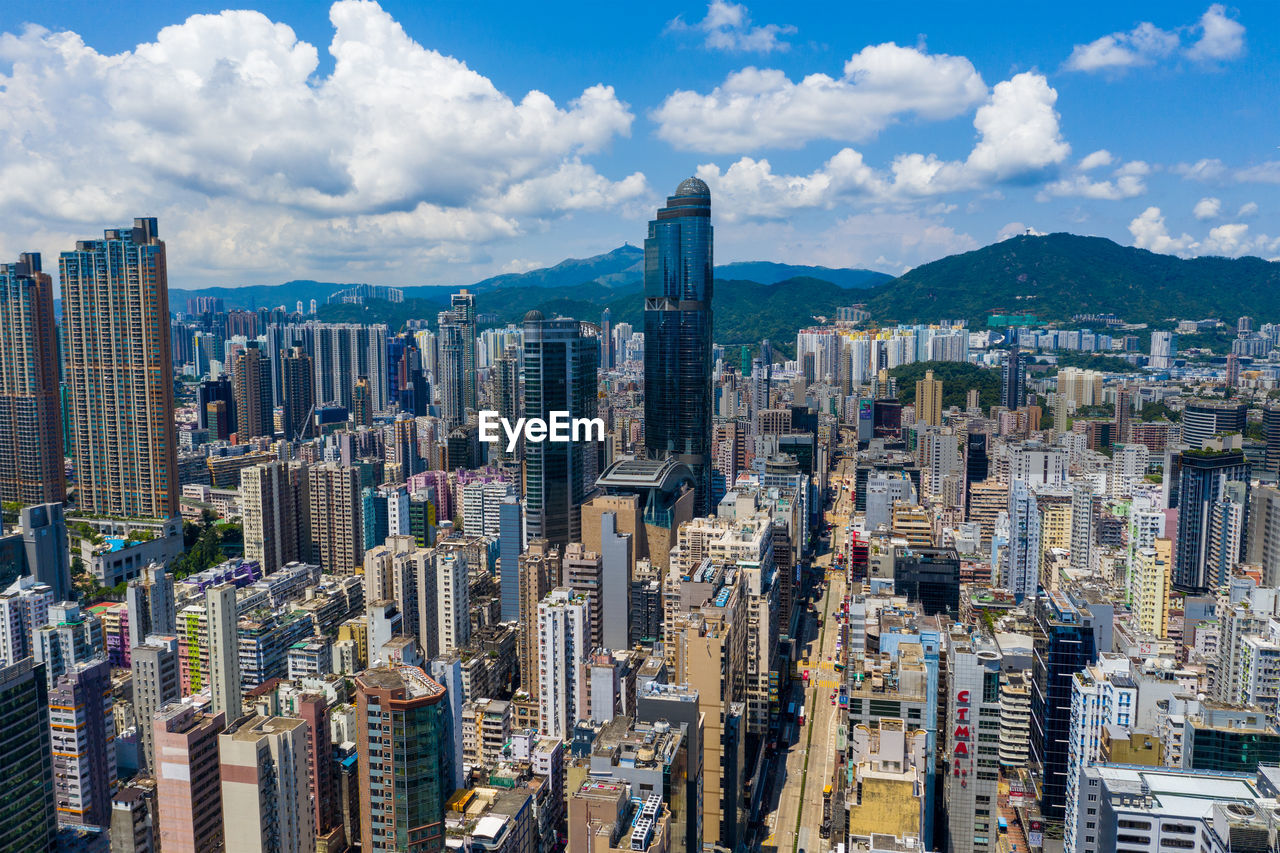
(693,186)
(534,316)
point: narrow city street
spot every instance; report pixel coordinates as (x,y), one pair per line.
(805,767)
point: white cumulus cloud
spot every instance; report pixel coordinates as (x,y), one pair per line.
(1214,38)
(1231,239)
(1207,208)
(222,127)
(1149,232)
(1142,45)
(761,107)
(727,26)
(1221,38)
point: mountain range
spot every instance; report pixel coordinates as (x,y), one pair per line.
(619,269)
(1054,277)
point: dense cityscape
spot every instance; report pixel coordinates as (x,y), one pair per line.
(906,479)
(267,588)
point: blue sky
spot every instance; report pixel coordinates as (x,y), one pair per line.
(416,143)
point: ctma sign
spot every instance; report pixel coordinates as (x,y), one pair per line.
(561,428)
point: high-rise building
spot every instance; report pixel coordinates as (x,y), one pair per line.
(337,535)
(1263,538)
(463,306)
(1066,640)
(24,608)
(560,364)
(149,602)
(83,729)
(342,354)
(297,392)
(453,608)
(314,709)
(156,683)
(507,402)
(1013,380)
(115,314)
(266,804)
(1201,484)
(72,637)
(1150,577)
(510,546)
(1124,414)
(539,569)
(1022,575)
(564,647)
(224,649)
(216,408)
(678,289)
(277,513)
(188,779)
(929,400)
(44,542)
(710,650)
(1271,436)
(971,748)
(31,452)
(251,377)
(405,759)
(28,819)
(1081,526)
(1203,419)
(362,403)
(451,376)
(1164,346)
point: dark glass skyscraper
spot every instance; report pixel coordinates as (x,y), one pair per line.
(677,335)
(1013,380)
(559,376)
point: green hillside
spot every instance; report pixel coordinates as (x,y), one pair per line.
(956,377)
(1058,275)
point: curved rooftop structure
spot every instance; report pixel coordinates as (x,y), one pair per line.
(693,186)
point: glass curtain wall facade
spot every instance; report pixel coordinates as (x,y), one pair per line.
(678,288)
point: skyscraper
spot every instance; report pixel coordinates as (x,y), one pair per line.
(463,305)
(27,818)
(277,513)
(507,370)
(510,546)
(224,649)
(405,760)
(83,729)
(1067,638)
(564,647)
(337,535)
(1201,483)
(31,463)
(298,392)
(929,400)
(678,286)
(559,376)
(1203,419)
(451,377)
(362,403)
(154,667)
(188,776)
(115,304)
(266,804)
(539,573)
(1013,380)
(251,376)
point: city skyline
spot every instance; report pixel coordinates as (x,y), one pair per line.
(889,142)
